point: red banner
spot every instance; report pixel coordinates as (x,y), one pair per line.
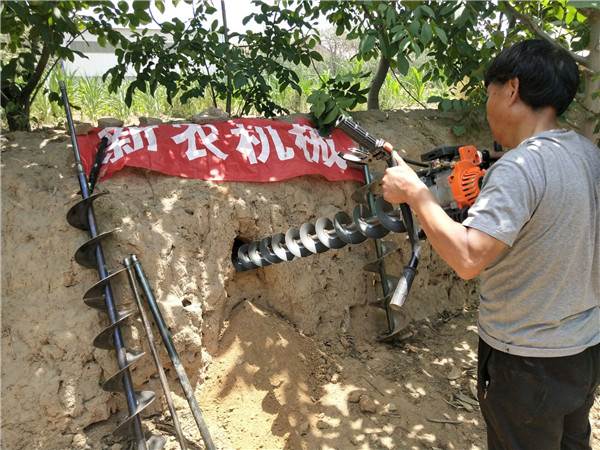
(257,150)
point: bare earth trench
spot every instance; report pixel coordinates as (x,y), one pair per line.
(281,357)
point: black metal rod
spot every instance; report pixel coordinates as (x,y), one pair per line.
(410,270)
(170,347)
(103,273)
(379,253)
(150,338)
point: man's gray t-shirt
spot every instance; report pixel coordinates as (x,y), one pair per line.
(541,297)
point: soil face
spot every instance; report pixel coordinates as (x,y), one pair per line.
(280,357)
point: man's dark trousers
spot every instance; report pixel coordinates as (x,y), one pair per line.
(537,403)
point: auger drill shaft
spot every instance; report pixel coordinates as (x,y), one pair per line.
(321,236)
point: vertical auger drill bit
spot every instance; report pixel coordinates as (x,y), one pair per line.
(91,255)
(388,283)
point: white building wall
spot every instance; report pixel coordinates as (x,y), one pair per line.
(99,59)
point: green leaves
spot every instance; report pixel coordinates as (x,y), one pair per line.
(318,100)
(403,64)
(414,27)
(426,33)
(579,4)
(449,42)
(336,95)
(367,43)
(427,10)
(239,80)
(459,130)
(440,33)
(35,34)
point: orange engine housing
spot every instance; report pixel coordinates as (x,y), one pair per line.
(465,177)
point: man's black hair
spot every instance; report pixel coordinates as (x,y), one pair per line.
(548,75)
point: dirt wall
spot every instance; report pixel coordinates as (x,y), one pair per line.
(183,232)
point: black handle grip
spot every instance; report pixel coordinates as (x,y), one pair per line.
(102,146)
(359,134)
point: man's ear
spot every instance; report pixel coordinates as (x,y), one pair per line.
(513,90)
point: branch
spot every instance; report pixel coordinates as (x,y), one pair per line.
(210,86)
(407,91)
(153,18)
(37,73)
(312,62)
(49,71)
(5,96)
(530,23)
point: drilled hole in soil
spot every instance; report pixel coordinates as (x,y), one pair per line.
(237,243)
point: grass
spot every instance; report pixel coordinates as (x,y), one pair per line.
(92,99)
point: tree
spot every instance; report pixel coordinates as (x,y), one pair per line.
(572,26)
(199,61)
(461,38)
(392,32)
(395,33)
(480,34)
(36,35)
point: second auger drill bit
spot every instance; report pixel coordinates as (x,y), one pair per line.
(382,250)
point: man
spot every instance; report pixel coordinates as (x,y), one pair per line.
(534,237)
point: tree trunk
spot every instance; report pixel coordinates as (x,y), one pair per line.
(376,83)
(592,85)
(18,104)
(18,119)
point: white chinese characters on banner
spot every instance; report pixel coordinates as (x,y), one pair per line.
(123,141)
(323,150)
(248,141)
(189,135)
(255,143)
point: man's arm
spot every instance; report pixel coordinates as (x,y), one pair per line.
(467,250)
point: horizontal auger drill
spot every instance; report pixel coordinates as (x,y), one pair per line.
(452,173)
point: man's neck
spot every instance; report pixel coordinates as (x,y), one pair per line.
(532,123)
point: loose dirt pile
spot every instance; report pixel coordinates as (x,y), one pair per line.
(281,357)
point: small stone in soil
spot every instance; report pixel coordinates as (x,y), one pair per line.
(322,425)
(354,396)
(356,440)
(303,428)
(390,407)
(366,404)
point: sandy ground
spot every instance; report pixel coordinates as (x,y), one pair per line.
(342,393)
(281,357)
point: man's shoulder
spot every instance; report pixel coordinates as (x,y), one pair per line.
(520,159)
